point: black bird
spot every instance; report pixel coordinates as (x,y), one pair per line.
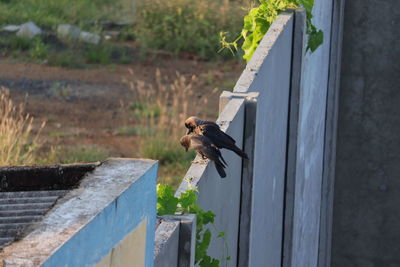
(206,149)
(212,131)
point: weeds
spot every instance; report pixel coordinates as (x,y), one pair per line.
(186,26)
(18,144)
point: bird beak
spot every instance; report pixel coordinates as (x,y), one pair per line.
(189,131)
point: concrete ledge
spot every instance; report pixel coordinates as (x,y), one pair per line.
(88,222)
(51,177)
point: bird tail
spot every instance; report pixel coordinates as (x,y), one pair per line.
(223,160)
(240,152)
(220,169)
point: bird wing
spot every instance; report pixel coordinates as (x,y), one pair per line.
(216,136)
(205,147)
(204,122)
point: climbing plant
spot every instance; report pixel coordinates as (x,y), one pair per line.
(260,18)
(167,203)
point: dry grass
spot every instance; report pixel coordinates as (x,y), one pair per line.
(18,144)
(163,109)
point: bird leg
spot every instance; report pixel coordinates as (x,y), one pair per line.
(202,161)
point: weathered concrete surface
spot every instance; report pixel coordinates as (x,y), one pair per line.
(310,147)
(49,177)
(131,251)
(222,196)
(187,238)
(299,35)
(166,244)
(89,221)
(366,220)
(268,73)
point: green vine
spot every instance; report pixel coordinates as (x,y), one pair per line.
(260,18)
(167,203)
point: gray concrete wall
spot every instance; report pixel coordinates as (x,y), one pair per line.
(222,195)
(310,146)
(366,221)
(268,73)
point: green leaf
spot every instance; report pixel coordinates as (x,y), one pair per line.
(166,201)
(188,201)
(202,246)
(221,234)
(315,39)
(207,261)
(208,217)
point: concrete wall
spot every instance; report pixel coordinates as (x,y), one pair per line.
(310,147)
(109,218)
(271,65)
(134,207)
(222,196)
(366,220)
(283,181)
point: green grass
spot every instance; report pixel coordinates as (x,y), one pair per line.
(187,26)
(178,26)
(49,13)
(68,55)
(83,153)
(66,155)
(137,130)
(174,161)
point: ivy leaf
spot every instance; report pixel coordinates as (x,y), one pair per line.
(221,234)
(166,201)
(207,261)
(202,246)
(188,200)
(208,217)
(315,38)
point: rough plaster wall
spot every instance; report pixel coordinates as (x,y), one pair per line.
(130,251)
(366,224)
(310,150)
(270,152)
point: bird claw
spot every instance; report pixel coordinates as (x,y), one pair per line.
(203,161)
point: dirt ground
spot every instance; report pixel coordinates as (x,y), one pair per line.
(88,106)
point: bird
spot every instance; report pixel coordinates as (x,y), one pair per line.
(203,146)
(212,131)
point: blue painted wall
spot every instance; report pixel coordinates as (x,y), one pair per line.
(93,242)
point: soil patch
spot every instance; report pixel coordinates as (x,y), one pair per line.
(90,106)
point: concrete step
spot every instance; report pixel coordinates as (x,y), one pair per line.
(33,194)
(21,200)
(32,212)
(19,219)
(4,226)
(5,240)
(25,206)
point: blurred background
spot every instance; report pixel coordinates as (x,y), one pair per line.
(83,80)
